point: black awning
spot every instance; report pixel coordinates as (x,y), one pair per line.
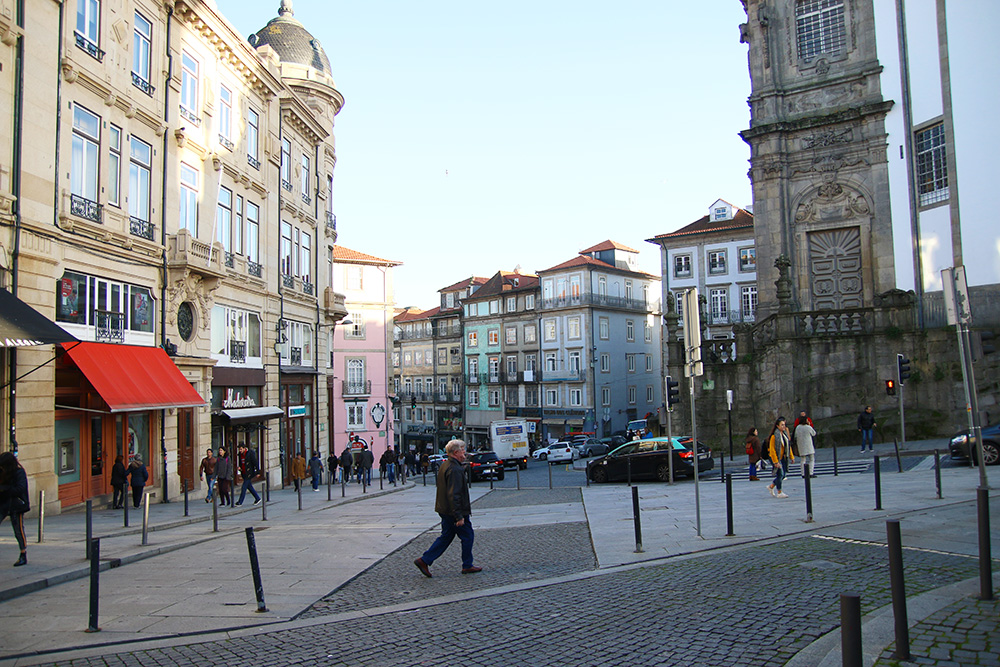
(23,326)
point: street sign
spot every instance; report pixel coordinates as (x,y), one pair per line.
(956,296)
(692,333)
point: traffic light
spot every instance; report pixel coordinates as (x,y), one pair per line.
(982,344)
(903,369)
(673,394)
(890,387)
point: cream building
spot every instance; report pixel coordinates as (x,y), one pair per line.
(168,187)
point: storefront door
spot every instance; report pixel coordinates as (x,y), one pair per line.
(187,458)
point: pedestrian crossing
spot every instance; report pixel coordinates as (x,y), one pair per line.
(847,467)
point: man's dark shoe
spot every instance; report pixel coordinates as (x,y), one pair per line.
(471,570)
(422,566)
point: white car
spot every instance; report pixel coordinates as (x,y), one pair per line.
(562,451)
(540,454)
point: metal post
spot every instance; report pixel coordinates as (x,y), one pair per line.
(145,519)
(985,558)
(381,488)
(550,473)
(628,466)
(636,520)
(343,484)
(902,414)
(517,473)
(364,480)
(125,503)
(425,476)
(835,471)
(729,506)
(937,472)
(694,448)
(215,510)
(850,630)
(185,483)
(730,415)
(41,515)
(898,590)
(263,499)
(670,439)
(722,464)
(809,496)
(878,484)
(258,585)
(899,461)
(329,486)
(95,584)
(90,526)
(298,492)
(267,486)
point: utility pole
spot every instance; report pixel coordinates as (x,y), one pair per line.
(693,368)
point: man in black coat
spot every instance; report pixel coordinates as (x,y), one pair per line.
(249,469)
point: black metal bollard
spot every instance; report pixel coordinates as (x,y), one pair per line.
(298,492)
(425,477)
(628,466)
(185,483)
(343,485)
(215,512)
(125,501)
(899,461)
(850,630)
(809,497)
(90,525)
(41,515)
(258,585)
(835,470)
(985,557)
(329,486)
(267,488)
(145,519)
(878,484)
(636,520)
(95,584)
(380,488)
(517,473)
(898,590)
(937,472)
(263,501)
(364,481)
(729,505)
(722,464)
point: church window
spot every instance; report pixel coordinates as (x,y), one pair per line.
(819,27)
(932,165)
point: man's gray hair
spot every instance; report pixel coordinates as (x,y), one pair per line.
(453,446)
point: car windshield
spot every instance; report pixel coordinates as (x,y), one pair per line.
(485,457)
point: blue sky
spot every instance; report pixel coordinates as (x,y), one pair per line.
(481,136)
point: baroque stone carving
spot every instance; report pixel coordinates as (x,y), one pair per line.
(829,137)
(783,283)
(193,288)
(832,201)
(835,268)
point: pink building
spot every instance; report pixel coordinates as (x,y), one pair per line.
(358,386)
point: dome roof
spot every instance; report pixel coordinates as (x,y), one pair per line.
(291,41)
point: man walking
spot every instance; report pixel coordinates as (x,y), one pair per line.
(249,469)
(367,461)
(866,424)
(454,507)
(207,472)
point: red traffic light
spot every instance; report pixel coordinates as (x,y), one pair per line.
(890,387)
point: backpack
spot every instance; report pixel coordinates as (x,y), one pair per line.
(749,447)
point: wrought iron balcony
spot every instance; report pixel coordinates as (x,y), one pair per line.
(331,221)
(288,281)
(92,49)
(190,116)
(308,288)
(141,228)
(286,185)
(254,269)
(357,387)
(295,356)
(142,84)
(600,300)
(238,351)
(226,142)
(84,208)
(306,199)
(230,260)
(109,326)
(253,162)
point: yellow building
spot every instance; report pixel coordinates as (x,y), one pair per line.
(165,198)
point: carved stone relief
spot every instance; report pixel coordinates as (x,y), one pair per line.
(193,288)
(832,200)
(835,262)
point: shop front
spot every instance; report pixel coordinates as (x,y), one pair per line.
(109,402)
(239,417)
(297,425)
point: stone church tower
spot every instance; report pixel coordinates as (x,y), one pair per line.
(818,155)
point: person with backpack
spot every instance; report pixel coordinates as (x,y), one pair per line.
(138,476)
(779,449)
(315,470)
(14,500)
(346,461)
(753,452)
(332,463)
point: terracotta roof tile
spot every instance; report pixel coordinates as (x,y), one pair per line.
(474,280)
(607,245)
(741,220)
(342,254)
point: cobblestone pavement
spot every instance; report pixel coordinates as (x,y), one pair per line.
(757,604)
(966,632)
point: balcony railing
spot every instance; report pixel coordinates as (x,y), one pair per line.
(561,376)
(308,288)
(253,268)
(295,356)
(331,221)
(230,260)
(238,351)
(142,84)
(600,300)
(190,116)
(306,199)
(253,162)
(286,185)
(84,208)
(357,387)
(226,142)
(716,318)
(288,281)
(92,49)
(141,228)
(109,326)
(519,377)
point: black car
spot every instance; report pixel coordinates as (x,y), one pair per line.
(592,447)
(961,444)
(648,459)
(485,465)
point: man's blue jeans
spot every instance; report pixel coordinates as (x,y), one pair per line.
(247,484)
(211,486)
(866,437)
(390,471)
(448,532)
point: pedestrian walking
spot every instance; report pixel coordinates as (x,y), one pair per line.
(367,463)
(753,452)
(779,449)
(224,476)
(453,506)
(138,475)
(410,459)
(332,462)
(866,424)
(14,500)
(803,435)
(206,471)
(248,469)
(390,464)
(119,477)
(425,462)
(346,461)
(298,470)
(315,470)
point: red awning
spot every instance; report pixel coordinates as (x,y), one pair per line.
(129,377)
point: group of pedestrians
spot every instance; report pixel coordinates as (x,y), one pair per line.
(783,444)
(219,471)
(136,475)
(313,469)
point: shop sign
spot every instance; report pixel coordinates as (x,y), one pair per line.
(296,411)
(235,399)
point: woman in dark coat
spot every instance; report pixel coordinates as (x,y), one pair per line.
(315,470)
(119,475)
(138,475)
(753,452)
(224,476)
(14,500)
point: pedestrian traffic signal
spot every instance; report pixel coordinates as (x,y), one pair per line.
(673,394)
(890,387)
(903,369)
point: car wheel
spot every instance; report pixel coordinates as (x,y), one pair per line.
(500,476)
(991,453)
(588,453)
(543,457)
(599,475)
(663,472)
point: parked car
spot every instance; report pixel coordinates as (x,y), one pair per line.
(562,451)
(649,460)
(541,454)
(485,465)
(614,441)
(962,443)
(592,447)
(435,461)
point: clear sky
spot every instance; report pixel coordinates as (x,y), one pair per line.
(482,136)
